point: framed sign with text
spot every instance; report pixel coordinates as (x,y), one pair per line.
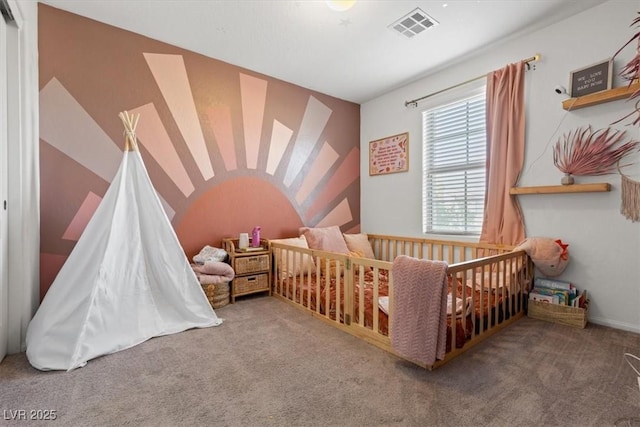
(591,79)
(389,155)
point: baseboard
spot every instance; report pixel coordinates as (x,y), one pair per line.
(616,325)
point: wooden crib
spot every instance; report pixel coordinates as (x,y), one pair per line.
(488,287)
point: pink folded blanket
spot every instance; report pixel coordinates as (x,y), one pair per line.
(419,315)
(209,279)
(213,272)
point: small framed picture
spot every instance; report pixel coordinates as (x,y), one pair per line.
(591,79)
(389,155)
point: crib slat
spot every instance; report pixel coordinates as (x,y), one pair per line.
(308,285)
(327,290)
(338,288)
(318,280)
(454,324)
(494,290)
(360,297)
(509,286)
(294,279)
(277,275)
(348,291)
(502,284)
(483,302)
(390,308)
(472,304)
(471,295)
(376,312)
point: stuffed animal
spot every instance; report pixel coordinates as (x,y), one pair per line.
(548,255)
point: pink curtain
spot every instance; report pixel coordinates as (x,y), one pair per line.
(503,220)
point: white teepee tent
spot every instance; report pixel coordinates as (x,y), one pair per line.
(126,280)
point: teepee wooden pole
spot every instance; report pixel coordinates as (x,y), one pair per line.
(135,122)
(130,122)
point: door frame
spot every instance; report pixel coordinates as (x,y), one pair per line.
(4,176)
(23,171)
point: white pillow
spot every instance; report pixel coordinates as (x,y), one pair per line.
(286,265)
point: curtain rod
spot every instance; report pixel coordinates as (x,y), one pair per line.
(414,102)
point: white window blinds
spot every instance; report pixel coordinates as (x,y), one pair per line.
(453,174)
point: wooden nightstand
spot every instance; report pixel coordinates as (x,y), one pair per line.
(252,268)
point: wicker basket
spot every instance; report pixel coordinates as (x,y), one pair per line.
(248,284)
(563,314)
(221,297)
(218,294)
(250,264)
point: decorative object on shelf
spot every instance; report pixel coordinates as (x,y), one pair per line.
(585,152)
(255,237)
(567,179)
(243,241)
(591,79)
(389,155)
(631,71)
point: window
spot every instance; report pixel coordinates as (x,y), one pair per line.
(453,168)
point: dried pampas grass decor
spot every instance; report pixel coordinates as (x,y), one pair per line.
(585,152)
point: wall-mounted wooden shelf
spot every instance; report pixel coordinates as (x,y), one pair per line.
(600,97)
(556,189)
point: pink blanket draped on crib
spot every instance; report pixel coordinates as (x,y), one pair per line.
(419,315)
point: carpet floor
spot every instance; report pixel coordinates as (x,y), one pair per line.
(270,364)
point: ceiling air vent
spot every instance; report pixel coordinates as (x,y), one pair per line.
(413,23)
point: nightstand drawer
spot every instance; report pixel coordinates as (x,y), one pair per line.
(247,284)
(251,264)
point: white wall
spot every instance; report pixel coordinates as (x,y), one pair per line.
(604,246)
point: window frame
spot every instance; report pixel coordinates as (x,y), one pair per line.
(428,226)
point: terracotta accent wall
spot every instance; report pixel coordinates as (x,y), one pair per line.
(226,148)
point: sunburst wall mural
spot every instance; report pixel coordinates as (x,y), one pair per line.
(226,148)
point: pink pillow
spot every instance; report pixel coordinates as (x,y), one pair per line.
(359,243)
(325,239)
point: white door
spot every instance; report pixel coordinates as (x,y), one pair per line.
(4,283)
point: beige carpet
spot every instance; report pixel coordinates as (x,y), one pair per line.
(270,364)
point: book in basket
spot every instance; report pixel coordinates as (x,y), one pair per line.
(551,299)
